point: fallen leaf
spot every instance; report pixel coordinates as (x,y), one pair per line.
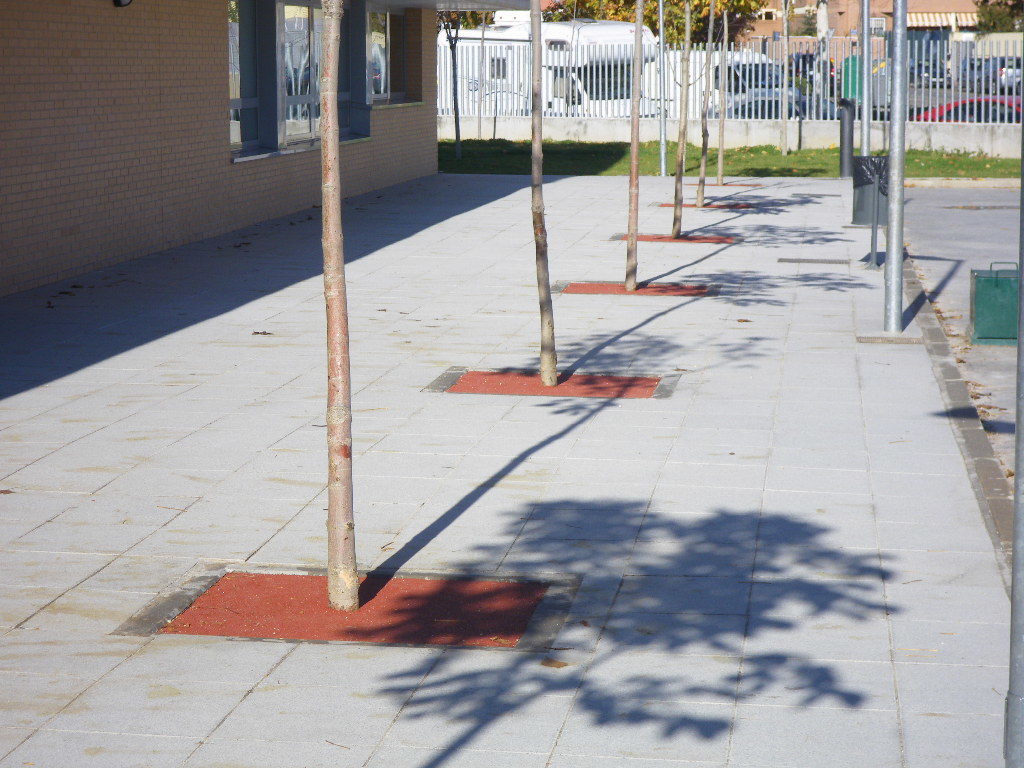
(5,491)
(744,320)
(554,663)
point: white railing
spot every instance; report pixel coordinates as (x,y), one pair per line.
(949,82)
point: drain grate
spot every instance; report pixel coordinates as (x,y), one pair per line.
(814,261)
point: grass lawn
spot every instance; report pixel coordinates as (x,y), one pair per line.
(612,158)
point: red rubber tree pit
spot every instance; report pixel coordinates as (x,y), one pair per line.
(394,610)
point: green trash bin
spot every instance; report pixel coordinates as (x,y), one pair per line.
(994,303)
(850,73)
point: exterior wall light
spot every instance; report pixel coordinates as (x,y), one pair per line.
(122,3)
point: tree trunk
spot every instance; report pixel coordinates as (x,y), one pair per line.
(784,106)
(634,145)
(722,84)
(548,356)
(684,103)
(342,578)
(455,98)
(705,106)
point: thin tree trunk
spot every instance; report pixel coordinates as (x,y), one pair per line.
(784,106)
(455,99)
(722,84)
(634,145)
(548,356)
(684,103)
(342,578)
(705,106)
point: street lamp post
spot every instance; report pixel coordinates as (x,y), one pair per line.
(897,142)
(865,77)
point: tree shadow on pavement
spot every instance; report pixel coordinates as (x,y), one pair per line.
(632,348)
(57,329)
(681,615)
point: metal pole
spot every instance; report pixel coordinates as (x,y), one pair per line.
(1013,733)
(873,263)
(897,141)
(480,85)
(865,77)
(662,127)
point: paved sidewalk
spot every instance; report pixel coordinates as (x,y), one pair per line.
(783,565)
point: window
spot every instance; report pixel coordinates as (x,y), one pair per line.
(300,70)
(243,101)
(274,60)
(499,69)
(386,56)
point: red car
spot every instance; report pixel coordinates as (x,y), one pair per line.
(980,109)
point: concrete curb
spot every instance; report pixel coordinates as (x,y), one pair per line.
(992,489)
(951,183)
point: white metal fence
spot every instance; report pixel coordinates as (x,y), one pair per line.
(963,82)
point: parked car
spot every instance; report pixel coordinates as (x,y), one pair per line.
(980,109)
(807,66)
(767,106)
(928,72)
(992,73)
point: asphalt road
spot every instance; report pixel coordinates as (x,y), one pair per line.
(950,232)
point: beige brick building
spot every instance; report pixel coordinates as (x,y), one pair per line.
(116,137)
(844,16)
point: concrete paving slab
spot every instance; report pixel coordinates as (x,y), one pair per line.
(101,750)
(754,551)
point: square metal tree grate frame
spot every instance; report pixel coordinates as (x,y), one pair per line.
(546,616)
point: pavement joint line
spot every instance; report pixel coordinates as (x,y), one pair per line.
(813,261)
(545,623)
(992,490)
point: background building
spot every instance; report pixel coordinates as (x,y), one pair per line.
(127,130)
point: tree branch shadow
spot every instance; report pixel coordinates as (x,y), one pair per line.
(694,619)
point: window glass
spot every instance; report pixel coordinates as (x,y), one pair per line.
(243,122)
(603,82)
(377,55)
(300,69)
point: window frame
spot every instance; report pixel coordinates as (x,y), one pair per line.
(388,94)
(240,103)
(311,98)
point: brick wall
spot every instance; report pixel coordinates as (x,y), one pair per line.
(114,135)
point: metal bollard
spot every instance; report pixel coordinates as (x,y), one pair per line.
(846,116)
